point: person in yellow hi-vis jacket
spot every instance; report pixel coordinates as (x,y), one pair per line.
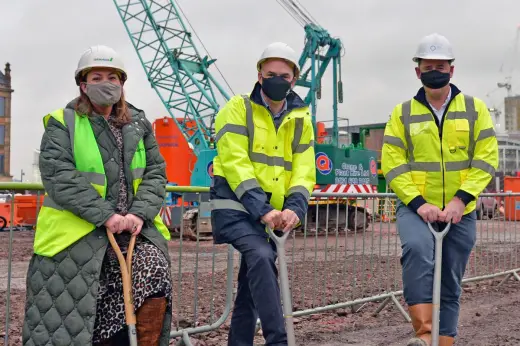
(264,173)
(439,153)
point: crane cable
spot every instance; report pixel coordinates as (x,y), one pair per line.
(296,11)
(204,47)
(292,13)
(304,12)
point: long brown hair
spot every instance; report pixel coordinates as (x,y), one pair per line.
(122,113)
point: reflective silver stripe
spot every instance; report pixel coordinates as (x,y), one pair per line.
(301,148)
(420,118)
(231,128)
(486,133)
(301,190)
(138,173)
(425,166)
(95,178)
(245,186)
(49,203)
(260,157)
(405,119)
(457,165)
(216,204)
(471,115)
(70,121)
(298,131)
(483,165)
(394,141)
(249,122)
(457,115)
(270,160)
(397,171)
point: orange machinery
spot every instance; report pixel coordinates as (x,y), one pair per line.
(25,211)
(180,159)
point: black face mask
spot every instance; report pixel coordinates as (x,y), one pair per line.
(435,79)
(276,88)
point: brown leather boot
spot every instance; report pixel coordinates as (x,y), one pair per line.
(149,324)
(421,315)
(446,340)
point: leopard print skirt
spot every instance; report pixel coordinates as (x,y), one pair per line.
(150,276)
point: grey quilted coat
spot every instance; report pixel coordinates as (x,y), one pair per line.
(61,291)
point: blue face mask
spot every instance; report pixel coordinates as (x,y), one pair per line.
(435,79)
(276,88)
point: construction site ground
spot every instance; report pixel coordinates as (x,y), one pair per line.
(324,268)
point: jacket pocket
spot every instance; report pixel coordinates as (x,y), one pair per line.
(462,133)
(261,131)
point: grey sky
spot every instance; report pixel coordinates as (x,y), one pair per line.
(43,40)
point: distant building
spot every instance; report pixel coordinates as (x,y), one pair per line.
(5,124)
(512,113)
(36,176)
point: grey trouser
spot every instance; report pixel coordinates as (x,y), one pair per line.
(417,262)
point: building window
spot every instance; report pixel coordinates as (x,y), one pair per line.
(2,106)
(2,134)
(2,165)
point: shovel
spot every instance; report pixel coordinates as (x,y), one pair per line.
(126,276)
(439,236)
(284,285)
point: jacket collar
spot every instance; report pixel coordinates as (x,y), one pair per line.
(421,95)
(293,100)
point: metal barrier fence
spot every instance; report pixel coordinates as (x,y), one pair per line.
(330,267)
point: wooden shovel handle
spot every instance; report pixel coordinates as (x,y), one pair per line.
(126,275)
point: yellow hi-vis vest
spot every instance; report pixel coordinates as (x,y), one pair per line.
(57,228)
(416,161)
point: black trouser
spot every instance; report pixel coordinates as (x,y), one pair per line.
(258,294)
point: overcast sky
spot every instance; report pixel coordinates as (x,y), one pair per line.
(43,40)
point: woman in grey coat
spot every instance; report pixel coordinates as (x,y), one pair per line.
(102,171)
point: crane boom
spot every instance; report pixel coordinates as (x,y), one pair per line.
(174,66)
(313,63)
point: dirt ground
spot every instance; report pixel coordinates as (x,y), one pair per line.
(324,269)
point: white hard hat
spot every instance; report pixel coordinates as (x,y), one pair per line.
(99,56)
(435,47)
(282,51)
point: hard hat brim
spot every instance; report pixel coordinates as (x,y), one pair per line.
(296,67)
(434,57)
(80,72)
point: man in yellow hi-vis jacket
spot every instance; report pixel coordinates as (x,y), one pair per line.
(439,153)
(264,173)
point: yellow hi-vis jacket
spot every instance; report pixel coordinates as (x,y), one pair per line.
(56,227)
(258,166)
(427,162)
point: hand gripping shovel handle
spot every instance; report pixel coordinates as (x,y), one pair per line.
(439,236)
(284,285)
(126,275)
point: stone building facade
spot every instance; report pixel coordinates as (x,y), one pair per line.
(5,124)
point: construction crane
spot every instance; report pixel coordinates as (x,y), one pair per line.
(177,72)
(513,57)
(314,62)
(181,78)
(340,168)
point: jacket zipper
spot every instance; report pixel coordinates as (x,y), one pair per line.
(441,130)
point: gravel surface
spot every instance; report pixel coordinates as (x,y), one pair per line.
(324,269)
